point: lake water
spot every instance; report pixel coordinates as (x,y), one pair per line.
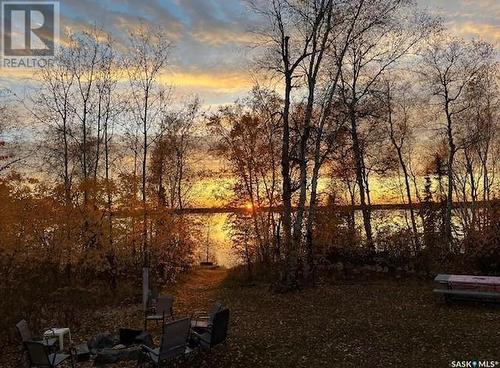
(218,242)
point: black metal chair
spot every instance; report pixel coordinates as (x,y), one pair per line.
(26,335)
(39,355)
(152,297)
(201,321)
(214,334)
(174,344)
(163,308)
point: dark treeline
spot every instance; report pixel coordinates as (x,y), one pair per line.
(337,207)
(364,91)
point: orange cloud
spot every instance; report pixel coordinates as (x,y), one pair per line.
(221,37)
(221,81)
(488,32)
(229,81)
(18,73)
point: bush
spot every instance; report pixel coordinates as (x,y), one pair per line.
(57,260)
(484,244)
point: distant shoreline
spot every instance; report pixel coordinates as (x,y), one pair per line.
(373,207)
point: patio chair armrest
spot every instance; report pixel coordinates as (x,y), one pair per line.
(46,329)
(196,335)
(147,349)
(199,313)
(202,315)
(176,347)
(196,322)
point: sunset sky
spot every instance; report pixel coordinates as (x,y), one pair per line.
(213,39)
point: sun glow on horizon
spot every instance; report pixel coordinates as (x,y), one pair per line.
(249,206)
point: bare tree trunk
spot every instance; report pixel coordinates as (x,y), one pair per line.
(402,163)
(109,197)
(320,34)
(358,160)
(318,157)
(67,180)
(289,275)
(147,261)
(473,191)
(409,199)
(449,166)
(148,57)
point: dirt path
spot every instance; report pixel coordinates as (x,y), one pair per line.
(197,290)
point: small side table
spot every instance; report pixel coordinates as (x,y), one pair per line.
(59,333)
